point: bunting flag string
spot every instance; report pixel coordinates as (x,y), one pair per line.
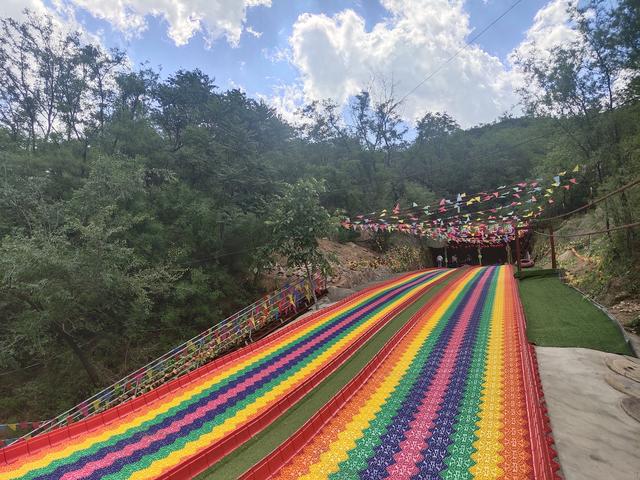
(276,307)
(21,426)
(479,218)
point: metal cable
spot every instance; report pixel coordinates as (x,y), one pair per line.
(595,232)
(594,202)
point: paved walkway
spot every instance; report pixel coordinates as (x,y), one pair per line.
(595,439)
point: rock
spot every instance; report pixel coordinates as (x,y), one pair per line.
(338,293)
(621,296)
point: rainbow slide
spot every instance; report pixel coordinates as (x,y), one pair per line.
(183,427)
(454,395)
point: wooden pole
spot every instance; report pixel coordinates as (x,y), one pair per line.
(518,250)
(554,263)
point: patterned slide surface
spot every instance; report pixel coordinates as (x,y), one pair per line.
(449,399)
(166,431)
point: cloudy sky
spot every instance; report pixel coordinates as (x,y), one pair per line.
(290,51)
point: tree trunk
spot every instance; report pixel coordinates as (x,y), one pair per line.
(606,202)
(627,218)
(86,363)
(313,286)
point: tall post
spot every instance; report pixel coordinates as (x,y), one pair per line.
(554,263)
(518,250)
(446,259)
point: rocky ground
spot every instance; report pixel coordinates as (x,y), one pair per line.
(352,265)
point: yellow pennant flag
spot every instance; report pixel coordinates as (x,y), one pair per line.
(576,169)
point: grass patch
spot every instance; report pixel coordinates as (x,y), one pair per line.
(536,272)
(251,452)
(558,316)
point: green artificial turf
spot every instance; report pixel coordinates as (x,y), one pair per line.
(558,316)
(247,455)
(536,272)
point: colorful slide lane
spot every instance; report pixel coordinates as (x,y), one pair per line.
(454,395)
(189,424)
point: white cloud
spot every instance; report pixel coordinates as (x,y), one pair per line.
(551,28)
(286,99)
(61,13)
(337,57)
(251,31)
(235,86)
(277,54)
(185,18)
(14,8)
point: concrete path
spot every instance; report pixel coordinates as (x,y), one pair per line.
(594,437)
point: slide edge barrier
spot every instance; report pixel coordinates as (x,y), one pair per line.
(545,466)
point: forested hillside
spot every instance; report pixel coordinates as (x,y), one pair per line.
(133,204)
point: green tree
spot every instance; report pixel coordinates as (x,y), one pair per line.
(581,85)
(433,130)
(297,220)
(79,282)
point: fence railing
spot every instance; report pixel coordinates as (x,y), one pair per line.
(208,345)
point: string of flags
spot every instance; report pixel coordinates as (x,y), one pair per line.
(10,432)
(280,305)
(20,426)
(487,217)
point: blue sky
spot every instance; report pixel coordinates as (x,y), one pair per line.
(247,65)
(290,51)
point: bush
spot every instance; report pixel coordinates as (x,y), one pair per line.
(402,258)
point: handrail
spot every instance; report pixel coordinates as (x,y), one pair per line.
(204,347)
